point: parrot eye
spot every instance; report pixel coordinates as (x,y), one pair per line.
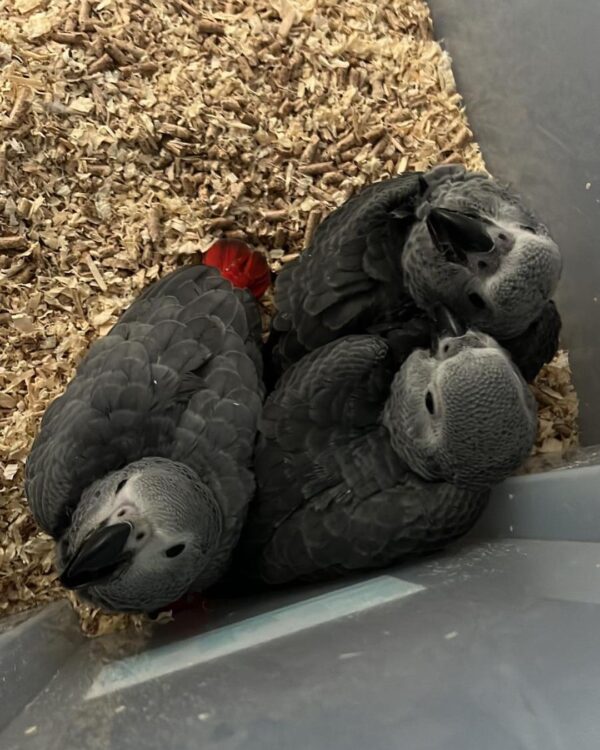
(476,301)
(527,228)
(430,406)
(175,550)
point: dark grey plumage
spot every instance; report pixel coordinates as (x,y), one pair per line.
(538,345)
(357,467)
(373,265)
(168,401)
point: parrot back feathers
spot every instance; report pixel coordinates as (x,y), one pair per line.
(174,378)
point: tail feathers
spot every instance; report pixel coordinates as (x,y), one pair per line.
(238,263)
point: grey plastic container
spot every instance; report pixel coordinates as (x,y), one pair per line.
(494,645)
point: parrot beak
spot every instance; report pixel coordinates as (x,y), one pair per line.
(445,324)
(100,555)
(455,234)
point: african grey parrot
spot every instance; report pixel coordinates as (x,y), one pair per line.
(368,454)
(400,246)
(142,469)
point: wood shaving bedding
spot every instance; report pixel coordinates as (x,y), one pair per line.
(133,133)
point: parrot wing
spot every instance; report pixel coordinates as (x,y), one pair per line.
(332,495)
(172,379)
(346,531)
(350,271)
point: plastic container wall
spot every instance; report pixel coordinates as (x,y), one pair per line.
(528,72)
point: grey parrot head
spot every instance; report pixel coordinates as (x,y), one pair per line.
(140,537)
(461,412)
(478,250)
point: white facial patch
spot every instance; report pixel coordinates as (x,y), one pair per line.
(528,249)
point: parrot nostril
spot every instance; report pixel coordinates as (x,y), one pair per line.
(140,536)
(429,403)
(482,264)
(121,513)
(476,301)
(503,237)
(175,550)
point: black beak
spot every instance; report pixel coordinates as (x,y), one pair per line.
(100,555)
(455,234)
(445,324)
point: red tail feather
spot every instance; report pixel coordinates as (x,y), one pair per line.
(187,602)
(239,264)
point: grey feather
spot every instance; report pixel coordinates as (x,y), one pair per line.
(341,483)
(372,267)
(165,382)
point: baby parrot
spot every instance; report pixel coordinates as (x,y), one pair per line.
(401,246)
(369,453)
(142,469)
